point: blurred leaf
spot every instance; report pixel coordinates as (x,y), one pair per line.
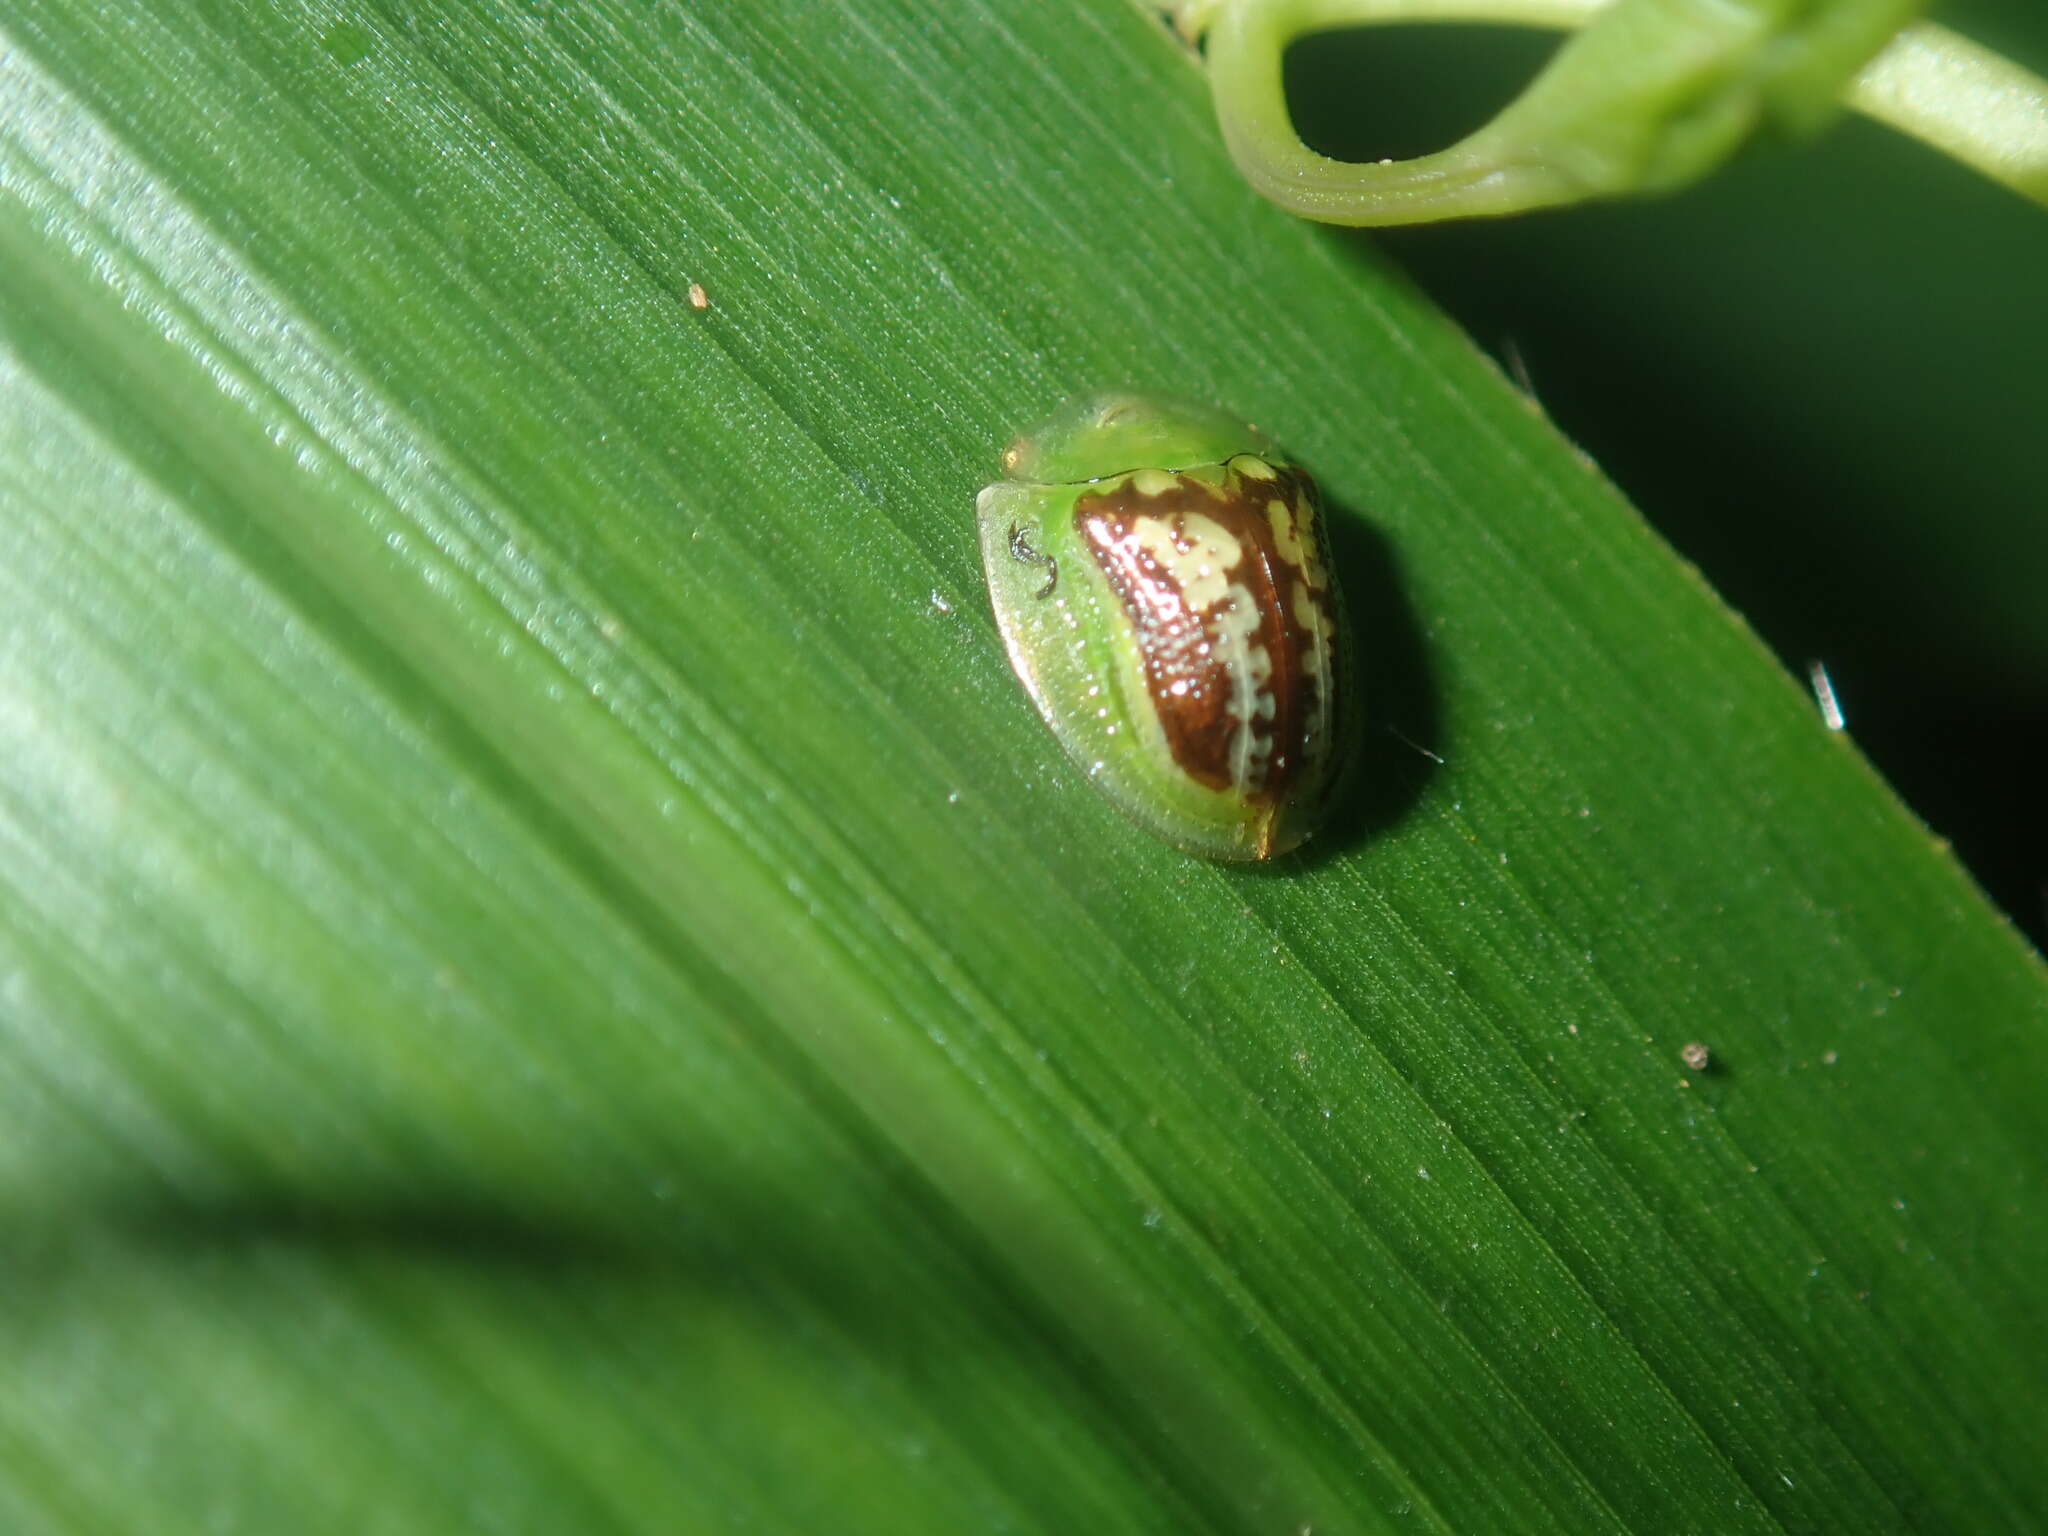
(552,980)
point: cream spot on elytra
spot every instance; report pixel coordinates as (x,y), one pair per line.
(1294,539)
(1318,664)
(1197,555)
(1285,538)
(1249,667)
(1314,621)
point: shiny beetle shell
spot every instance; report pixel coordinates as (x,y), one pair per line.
(1159,576)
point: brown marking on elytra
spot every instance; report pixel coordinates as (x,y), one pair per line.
(1226,591)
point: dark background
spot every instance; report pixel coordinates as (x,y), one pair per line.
(1823,375)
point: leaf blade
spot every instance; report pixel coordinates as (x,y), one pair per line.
(624,857)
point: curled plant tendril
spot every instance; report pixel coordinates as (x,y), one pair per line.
(1649,96)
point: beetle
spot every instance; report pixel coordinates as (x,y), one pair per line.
(1160,578)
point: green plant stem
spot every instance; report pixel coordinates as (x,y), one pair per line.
(1972,104)
(1651,95)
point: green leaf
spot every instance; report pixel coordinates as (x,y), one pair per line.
(553,981)
(1816,374)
